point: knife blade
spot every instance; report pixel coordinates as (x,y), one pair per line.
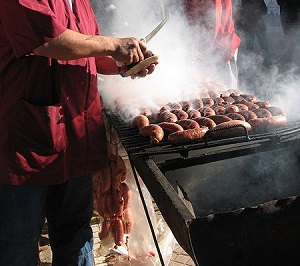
(155,30)
(147,38)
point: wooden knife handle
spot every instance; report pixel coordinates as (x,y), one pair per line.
(142,65)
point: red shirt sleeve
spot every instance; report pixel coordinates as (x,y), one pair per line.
(32,24)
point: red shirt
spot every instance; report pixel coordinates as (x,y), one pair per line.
(51,126)
(216,17)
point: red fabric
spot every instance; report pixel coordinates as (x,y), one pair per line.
(216,17)
(51,126)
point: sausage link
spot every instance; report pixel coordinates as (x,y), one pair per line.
(187,135)
(169,127)
(267,124)
(125,193)
(140,121)
(236,116)
(166,116)
(230,132)
(247,114)
(105,229)
(207,122)
(180,114)
(188,123)
(219,118)
(118,232)
(155,132)
(193,113)
(261,112)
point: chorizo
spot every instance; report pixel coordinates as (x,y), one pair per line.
(261,112)
(247,114)
(140,121)
(188,123)
(276,110)
(186,105)
(146,112)
(155,132)
(165,108)
(193,113)
(218,100)
(228,99)
(125,193)
(236,116)
(105,229)
(187,135)
(166,116)
(118,232)
(206,111)
(227,129)
(207,122)
(175,106)
(207,101)
(197,103)
(180,114)
(219,118)
(241,106)
(267,124)
(232,108)
(169,127)
(262,104)
(219,110)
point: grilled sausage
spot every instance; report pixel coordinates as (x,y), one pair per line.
(251,106)
(247,114)
(230,132)
(219,110)
(206,111)
(155,132)
(261,112)
(218,101)
(207,101)
(228,99)
(193,113)
(262,104)
(267,124)
(275,110)
(207,122)
(236,116)
(241,106)
(218,119)
(180,114)
(249,97)
(188,123)
(232,108)
(186,105)
(140,121)
(166,116)
(165,108)
(175,106)
(146,112)
(187,135)
(197,103)
(170,127)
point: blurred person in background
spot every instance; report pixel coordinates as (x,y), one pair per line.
(217,41)
(52,136)
(250,21)
(290,20)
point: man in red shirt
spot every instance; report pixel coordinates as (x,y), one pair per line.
(52,134)
(217,41)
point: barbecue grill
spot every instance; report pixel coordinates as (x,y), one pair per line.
(231,201)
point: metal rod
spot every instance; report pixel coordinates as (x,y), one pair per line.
(147,213)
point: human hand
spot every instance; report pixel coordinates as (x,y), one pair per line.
(129,50)
(141,69)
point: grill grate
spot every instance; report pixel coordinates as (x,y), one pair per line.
(137,145)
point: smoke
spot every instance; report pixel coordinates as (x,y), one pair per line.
(183,73)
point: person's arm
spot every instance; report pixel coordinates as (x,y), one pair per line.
(73,45)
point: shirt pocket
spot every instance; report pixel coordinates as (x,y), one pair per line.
(39,135)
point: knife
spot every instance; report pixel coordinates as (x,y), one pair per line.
(136,67)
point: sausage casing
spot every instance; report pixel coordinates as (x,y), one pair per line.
(187,135)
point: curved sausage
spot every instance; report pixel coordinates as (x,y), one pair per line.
(140,121)
(230,132)
(187,135)
(175,106)
(219,118)
(166,116)
(180,114)
(105,229)
(186,105)
(236,116)
(206,111)
(188,123)
(207,101)
(232,108)
(207,122)
(251,106)
(261,112)
(197,103)
(170,127)
(220,110)
(247,114)
(267,124)
(241,106)
(275,110)
(155,132)
(193,113)
(262,104)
